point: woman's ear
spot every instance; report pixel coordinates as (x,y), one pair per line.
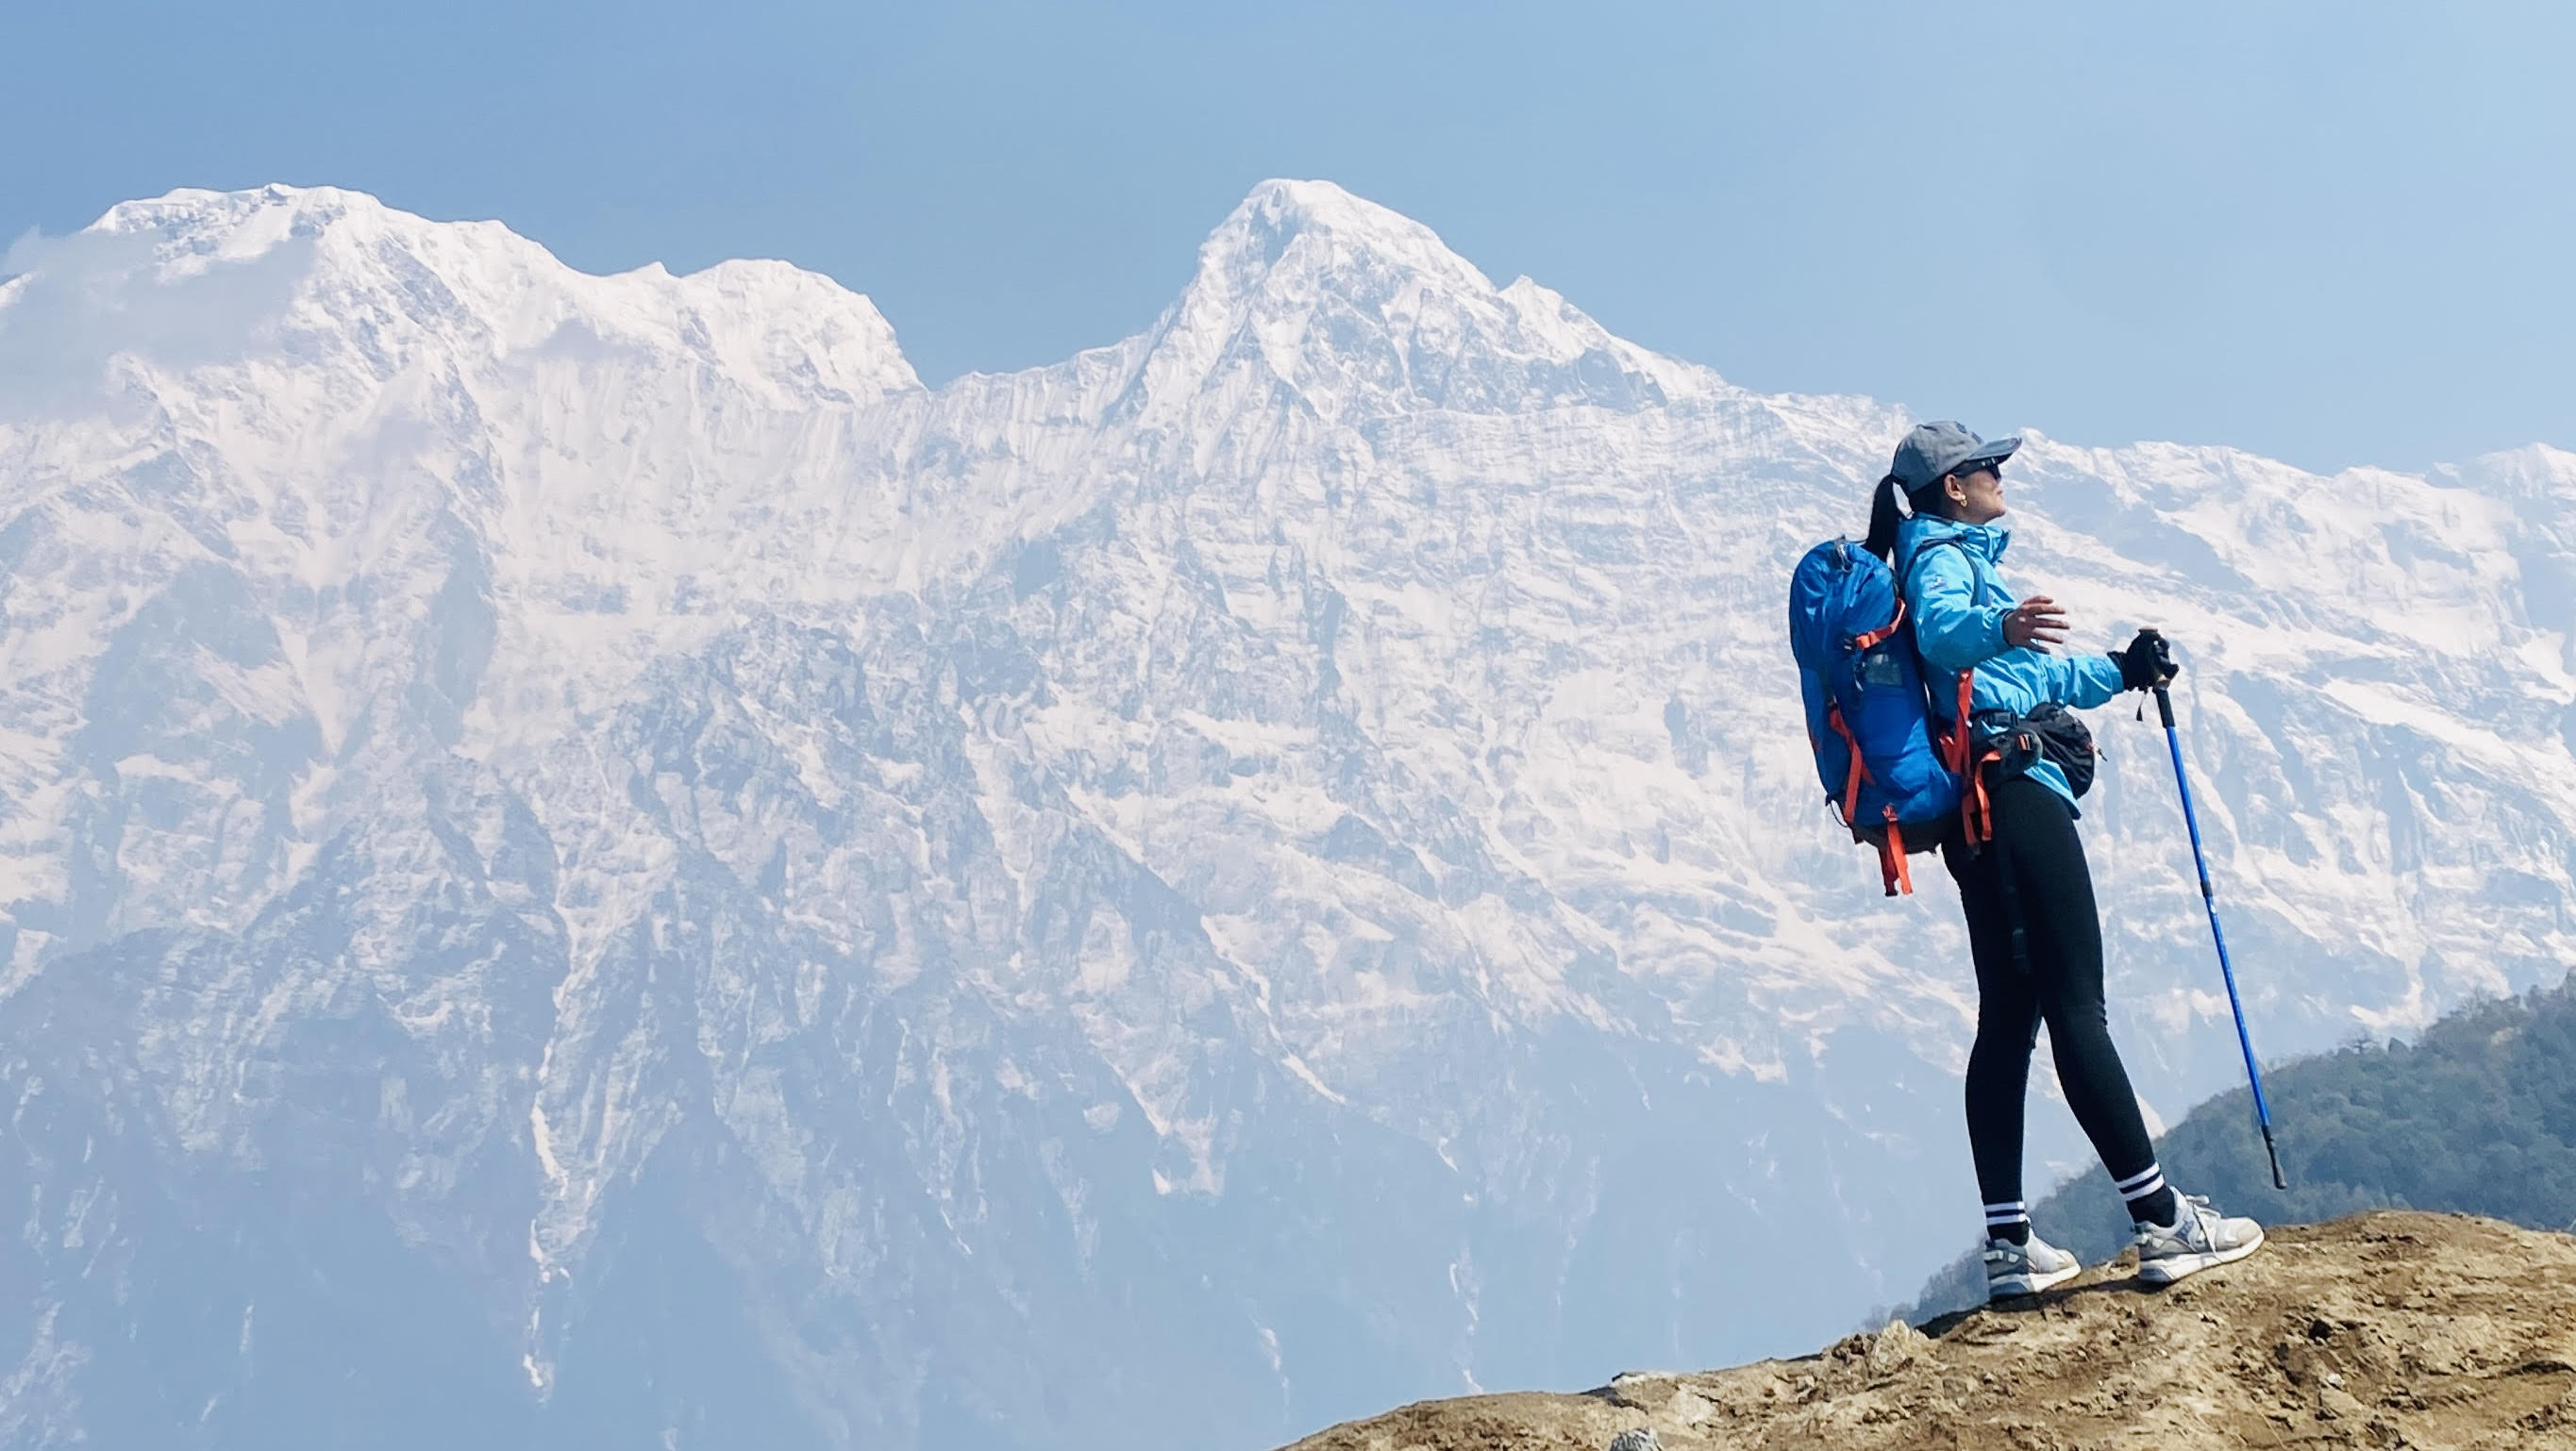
(1951,486)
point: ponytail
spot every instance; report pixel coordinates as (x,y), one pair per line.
(1884,516)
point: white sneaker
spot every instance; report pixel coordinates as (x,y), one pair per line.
(2200,1238)
(2026,1269)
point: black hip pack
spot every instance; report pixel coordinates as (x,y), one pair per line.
(2018,741)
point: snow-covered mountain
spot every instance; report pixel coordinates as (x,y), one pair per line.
(585,862)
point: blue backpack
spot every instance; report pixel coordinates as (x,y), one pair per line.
(1868,715)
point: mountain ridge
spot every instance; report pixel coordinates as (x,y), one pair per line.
(903,913)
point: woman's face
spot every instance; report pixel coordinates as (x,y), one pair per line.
(1978,494)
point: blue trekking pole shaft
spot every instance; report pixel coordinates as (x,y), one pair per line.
(2208,899)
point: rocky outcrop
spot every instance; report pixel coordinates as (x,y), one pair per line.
(2390,1329)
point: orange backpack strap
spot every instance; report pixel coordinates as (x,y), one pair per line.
(1874,637)
(1958,752)
(1976,813)
(1859,769)
(1894,872)
(1959,745)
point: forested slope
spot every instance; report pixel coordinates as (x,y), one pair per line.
(2478,1115)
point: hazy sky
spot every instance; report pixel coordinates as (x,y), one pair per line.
(2333,232)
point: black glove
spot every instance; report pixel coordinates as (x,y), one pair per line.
(2147,663)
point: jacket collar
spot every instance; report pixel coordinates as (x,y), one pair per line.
(1986,541)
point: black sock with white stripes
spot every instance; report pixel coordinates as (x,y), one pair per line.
(2008,1222)
(2151,1200)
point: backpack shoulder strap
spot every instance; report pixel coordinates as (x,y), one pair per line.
(1976,581)
(1957,744)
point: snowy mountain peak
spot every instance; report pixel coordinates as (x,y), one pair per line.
(243,223)
(1276,215)
(193,277)
(1350,304)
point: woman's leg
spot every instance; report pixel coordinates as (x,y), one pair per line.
(2007,1028)
(2054,888)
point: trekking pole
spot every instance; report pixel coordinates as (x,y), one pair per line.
(2253,1075)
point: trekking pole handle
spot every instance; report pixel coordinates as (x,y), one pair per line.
(2164,702)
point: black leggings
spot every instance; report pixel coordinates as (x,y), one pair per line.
(2052,890)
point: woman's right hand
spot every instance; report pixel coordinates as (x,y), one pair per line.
(2035,624)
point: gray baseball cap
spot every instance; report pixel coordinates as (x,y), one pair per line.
(1934,450)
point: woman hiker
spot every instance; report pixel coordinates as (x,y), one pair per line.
(2032,927)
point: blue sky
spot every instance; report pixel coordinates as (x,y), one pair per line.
(2336,233)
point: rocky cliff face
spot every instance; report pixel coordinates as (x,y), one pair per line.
(2388,1329)
(582,858)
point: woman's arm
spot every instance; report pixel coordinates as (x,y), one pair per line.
(1952,630)
(2082,681)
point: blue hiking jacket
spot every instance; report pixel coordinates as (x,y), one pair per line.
(1957,599)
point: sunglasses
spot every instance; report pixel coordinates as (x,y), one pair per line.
(1965,472)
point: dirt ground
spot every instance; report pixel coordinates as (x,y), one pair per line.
(2383,1330)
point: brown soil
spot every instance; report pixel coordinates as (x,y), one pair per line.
(2383,1330)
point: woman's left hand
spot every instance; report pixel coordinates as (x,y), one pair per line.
(2147,663)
